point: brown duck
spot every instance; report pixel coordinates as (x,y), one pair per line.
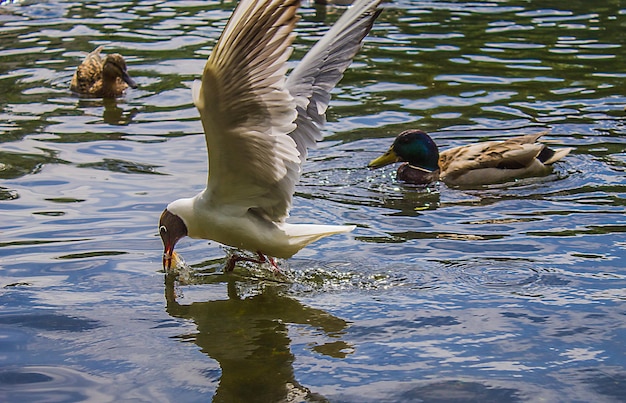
(100,78)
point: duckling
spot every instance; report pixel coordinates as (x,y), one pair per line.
(475,164)
(102,79)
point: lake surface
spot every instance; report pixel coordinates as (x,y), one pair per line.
(514,292)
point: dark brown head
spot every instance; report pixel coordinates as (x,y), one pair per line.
(172,229)
(115,66)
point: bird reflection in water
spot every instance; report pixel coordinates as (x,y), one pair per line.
(248,336)
(114,115)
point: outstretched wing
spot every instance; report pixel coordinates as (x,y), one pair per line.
(247,113)
(311,82)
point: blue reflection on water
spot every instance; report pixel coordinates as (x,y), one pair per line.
(512,292)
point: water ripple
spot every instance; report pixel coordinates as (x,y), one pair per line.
(498,292)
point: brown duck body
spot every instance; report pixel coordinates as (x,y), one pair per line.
(475,164)
(102,78)
(498,161)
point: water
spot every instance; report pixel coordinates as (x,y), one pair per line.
(503,293)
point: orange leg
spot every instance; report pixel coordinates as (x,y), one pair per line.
(233,259)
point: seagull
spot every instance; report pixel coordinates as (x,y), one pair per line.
(258,124)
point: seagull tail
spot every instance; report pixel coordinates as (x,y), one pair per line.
(300,235)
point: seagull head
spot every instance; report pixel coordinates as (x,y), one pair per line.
(172,229)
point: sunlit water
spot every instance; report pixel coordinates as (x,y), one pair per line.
(513,292)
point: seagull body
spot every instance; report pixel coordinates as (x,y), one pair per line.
(258,125)
(245,229)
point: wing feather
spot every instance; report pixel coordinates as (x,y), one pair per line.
(312,80)
(247,113)
(258,124)
(514,153)
(88,72)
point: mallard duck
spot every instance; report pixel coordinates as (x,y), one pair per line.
(258,125)
(102,79)
(475,164)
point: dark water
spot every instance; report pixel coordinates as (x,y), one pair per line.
(505,293)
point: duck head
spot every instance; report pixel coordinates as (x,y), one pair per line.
(172,229)
(412,146)
(115,66)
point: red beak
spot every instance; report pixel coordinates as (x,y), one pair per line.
(168,254)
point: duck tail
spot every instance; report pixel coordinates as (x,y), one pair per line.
(549,156)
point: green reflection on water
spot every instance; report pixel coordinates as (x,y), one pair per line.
(249,338)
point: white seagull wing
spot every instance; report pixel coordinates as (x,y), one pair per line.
(247,113)
(311,82)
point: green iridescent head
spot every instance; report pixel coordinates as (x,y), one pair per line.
(412,146)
